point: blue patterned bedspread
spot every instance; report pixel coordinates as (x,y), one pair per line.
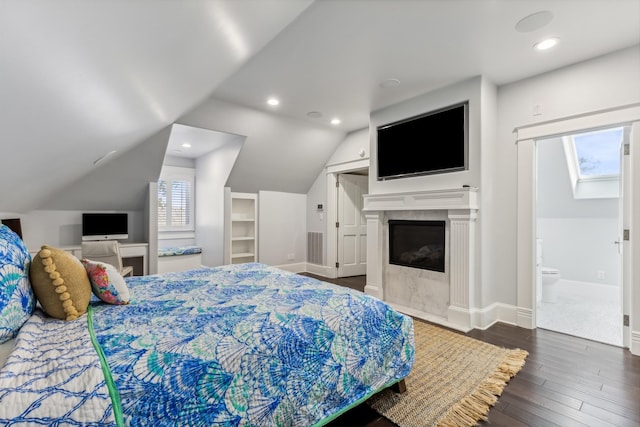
(248,345)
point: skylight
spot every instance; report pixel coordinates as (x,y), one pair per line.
(593,162)
(598,153)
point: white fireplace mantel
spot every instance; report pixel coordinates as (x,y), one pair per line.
(461,206)
(459,198)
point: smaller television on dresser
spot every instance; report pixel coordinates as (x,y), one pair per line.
(105,226)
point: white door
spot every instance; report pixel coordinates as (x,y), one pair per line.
(351,225)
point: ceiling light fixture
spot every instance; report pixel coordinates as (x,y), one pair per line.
(102,158)
(335,121)
(186,145)
(546,44)
(273,102)
(533,22)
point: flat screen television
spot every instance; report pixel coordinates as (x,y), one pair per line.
(105,226)
(431,143)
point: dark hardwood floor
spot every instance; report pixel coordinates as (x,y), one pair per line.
(566,381)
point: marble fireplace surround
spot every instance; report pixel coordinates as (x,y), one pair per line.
(459,207)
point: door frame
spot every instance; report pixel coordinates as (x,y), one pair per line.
(332,200)
(526,137)
(340,230)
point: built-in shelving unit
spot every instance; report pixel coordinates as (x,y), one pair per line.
(241,227)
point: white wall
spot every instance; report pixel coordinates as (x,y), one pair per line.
(555,196)
(580,248)
(354,148)
(282,228)
(317,218)
(577,234)
(606,82)
(212,171)
(487,224)
(181,162)
(469,90)
(482,98)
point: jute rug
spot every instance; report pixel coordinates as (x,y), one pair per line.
(454,381)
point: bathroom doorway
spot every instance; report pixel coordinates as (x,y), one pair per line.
(579,283)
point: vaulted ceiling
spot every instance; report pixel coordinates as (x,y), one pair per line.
(80,79)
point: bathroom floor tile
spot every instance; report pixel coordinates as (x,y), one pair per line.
(587,310)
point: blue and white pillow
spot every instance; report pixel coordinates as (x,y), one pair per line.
(17,300)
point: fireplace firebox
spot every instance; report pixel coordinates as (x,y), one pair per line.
(418,244)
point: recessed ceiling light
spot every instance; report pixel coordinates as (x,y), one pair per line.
(273,102)
(546,44)
(186,145)
(314,114)
(533,22)
(335,121)
(390,83)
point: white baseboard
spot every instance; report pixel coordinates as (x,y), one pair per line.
(635,343)
(373,290)
(300,267)
(459,318)
(320,270)
(426,316)
(496,312)
(524,318)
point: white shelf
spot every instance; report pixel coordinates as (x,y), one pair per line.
(241,227)
(243,255)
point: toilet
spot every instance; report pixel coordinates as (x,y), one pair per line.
(550,277)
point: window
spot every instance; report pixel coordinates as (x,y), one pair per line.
(593,159)
(175,199)
(598,153)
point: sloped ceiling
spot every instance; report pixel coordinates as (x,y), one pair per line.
(80,79)
(83,78)
(118,184)
(335,57)
(279,153)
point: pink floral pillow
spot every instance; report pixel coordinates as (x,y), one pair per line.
(106,283)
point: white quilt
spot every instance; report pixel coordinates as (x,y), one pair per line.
(54,374)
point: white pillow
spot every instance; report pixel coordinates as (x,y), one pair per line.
(106,282)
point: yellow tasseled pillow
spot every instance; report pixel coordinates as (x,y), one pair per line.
(60,283)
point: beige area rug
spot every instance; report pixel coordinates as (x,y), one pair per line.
(454,381)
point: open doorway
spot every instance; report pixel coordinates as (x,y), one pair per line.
(578,251)
(351,227)
(526,203)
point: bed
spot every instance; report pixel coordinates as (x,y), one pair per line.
(236,345)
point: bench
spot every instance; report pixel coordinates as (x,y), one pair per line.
(180,258)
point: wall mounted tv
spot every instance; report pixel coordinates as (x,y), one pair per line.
(431,143)
(105,226)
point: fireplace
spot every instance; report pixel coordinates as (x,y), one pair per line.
(448,297)
(417,244)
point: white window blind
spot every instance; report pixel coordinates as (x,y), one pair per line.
(176,199)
